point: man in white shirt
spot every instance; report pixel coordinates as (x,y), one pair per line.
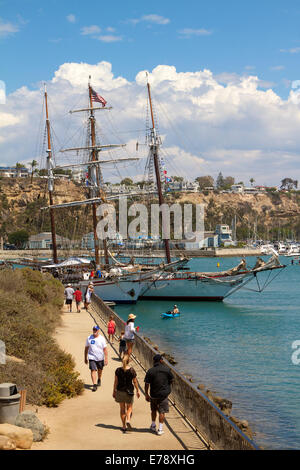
(69,291)
(95,353)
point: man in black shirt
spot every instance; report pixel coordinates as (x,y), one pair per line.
(159,378)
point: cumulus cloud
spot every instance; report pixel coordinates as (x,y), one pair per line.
(209,123)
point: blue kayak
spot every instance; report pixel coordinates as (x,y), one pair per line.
(170,315)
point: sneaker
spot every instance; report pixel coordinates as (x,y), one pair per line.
(160,432)
(153,428)
(99,382)
(94,388)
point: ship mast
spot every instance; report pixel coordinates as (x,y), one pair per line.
(154,146)
(50,181)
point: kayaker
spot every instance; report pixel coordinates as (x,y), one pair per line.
(175,310)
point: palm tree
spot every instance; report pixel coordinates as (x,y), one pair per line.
(252,181)
(33,164)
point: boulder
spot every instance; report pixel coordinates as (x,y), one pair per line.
(29,420)
(6,443)
(22,437)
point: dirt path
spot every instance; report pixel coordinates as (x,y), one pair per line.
(92,420)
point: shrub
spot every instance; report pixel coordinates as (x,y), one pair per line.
(30,311)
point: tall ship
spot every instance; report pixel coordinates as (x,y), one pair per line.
(127,283)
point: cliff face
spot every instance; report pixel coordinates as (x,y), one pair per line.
(21,202)
(271,212)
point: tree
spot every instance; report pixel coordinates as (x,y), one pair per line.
(18,238)
(289,184)
(178,179)
(127,182)
(252,180)
(33,164)
(205,182)
(228,182)
(220,181)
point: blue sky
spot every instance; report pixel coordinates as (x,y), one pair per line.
(257,37)
(223,72)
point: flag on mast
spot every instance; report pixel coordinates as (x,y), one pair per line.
(98,98)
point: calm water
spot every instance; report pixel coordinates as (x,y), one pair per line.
(240,348)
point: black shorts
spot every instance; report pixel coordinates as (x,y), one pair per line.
(160,405)
(95,365)
(69,302)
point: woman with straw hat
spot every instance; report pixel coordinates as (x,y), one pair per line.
(129,333)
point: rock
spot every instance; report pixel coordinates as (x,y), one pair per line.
(27,419)
(6,443)
(243,425)
(201,387)
(22,437)
(169,358)
(224,404)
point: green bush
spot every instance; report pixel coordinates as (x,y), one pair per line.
(30,311)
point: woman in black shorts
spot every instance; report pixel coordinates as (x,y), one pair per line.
(123,391)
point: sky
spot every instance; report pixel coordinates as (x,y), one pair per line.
(225,80)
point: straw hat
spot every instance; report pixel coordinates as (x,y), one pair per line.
(131,316)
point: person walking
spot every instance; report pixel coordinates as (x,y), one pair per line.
(95,354)
(88,295)
(123,391)
(129,333)
(122,345)
(159,378)
(78,298)
(69,291)
(111,329)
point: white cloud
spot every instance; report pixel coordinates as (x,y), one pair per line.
(109,38)
(278,67)
(71,18)
(189,32)
(90,30)
(292,50)
(7,28)
(152,18)
(209,123)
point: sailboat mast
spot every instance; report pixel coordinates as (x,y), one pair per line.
(154,149)
(50,182)
(97,169)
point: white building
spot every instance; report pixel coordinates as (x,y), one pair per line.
(43,241)
(13,172)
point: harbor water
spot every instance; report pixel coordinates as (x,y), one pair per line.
(240,348)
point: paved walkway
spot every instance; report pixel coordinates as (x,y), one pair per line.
(92,420)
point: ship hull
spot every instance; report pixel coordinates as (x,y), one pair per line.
(191,289)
